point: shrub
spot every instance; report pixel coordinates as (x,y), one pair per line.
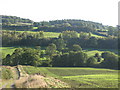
(6,74)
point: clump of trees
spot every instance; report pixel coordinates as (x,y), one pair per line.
(14,38)
(18,27)
(7,20)
(16,23)
(23,56)
(111,60)
(69,34)
(91,61)
(71,59)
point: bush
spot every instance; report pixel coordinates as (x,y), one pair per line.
(91,61)
(6,74)
(110,60)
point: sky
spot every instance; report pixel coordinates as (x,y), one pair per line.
(102,11)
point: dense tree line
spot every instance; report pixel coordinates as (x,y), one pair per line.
(13,38)
(73,58)
(73,22)
(7,20)
(93,42)
(65,39)
(16,23)
(18,28)
(60,29)
(70,59)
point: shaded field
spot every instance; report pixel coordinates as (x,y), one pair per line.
(80,77)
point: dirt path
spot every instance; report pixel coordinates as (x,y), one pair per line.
(17,72)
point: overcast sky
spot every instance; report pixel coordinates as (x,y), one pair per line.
(102,11)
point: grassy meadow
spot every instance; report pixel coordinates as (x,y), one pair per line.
(6,50)
(51,34)
(79,77)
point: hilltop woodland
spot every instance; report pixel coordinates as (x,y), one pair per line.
(66,50)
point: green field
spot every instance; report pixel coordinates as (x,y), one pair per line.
(80,77)
(51,34)
(6,50)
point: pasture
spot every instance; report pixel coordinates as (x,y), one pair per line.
(6,50)
(79,77)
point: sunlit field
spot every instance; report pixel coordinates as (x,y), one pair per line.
(83,77)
